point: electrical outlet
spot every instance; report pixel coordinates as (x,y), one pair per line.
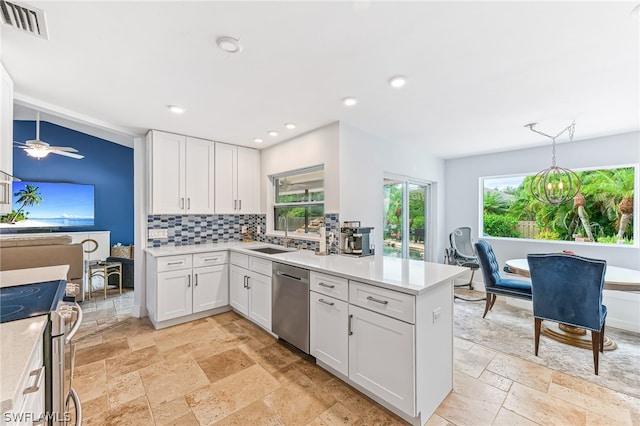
(244,229)
(331,237)
(158,233)
(259,229)
(436,315)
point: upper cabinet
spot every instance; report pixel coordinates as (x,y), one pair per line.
(181,174)
(6,140)
(237,172)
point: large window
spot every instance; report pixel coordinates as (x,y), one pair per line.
(299,201)
(405,218)
(602,212)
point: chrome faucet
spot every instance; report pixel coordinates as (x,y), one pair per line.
(286,240)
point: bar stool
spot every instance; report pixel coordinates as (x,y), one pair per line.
(105,270)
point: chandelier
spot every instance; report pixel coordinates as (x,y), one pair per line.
(555,185)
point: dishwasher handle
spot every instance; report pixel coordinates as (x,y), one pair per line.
(293,277)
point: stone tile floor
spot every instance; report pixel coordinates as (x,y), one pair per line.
(225,370)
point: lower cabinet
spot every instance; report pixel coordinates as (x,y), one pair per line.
(328,334)
(175,295)
(382,357)
(249,290)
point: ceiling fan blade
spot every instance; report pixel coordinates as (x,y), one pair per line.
(67,154)
(19,144)
(63,148)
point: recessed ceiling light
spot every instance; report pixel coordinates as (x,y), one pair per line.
(272,133)
(398,81)
(258,140)
(350,101)
(290,126)
(176,109)
(229,44)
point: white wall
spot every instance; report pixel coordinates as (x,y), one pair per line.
(463,201)
(364,158)
(317,147)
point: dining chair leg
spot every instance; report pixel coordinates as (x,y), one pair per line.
(602,339)
(595,343)
(538,326)
(489,304)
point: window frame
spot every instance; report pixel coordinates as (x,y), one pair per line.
(636,208)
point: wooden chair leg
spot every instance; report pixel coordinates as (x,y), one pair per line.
(538,326)
(595,344)
(488,304)
(493,301)
(602,339)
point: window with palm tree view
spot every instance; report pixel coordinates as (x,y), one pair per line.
(601,212)
(299,201)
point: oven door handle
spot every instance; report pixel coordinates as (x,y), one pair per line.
(76,326)
(76,403)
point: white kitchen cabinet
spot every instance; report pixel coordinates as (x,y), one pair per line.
(328,334)
(181,174)
(6,140)
(250,288)
(382,357)
(237,171)
(180,289)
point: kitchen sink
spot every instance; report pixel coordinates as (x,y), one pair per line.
(270,250)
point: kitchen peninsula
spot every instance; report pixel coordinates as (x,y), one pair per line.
(384,325)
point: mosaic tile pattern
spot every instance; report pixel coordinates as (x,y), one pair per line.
(185,230)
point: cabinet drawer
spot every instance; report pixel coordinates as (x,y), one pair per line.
(331,286)
(209,259)
(388,302)
(259,265)
(174,263)
(239,259)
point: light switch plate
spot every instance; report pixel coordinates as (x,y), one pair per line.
(158,233)
(436,315)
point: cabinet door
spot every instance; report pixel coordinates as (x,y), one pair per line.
(226,164)
(248,180)
(210,287)
(167,173)
(382,357)
(260,299)
(329,339)
(238,293)
(199,176)
(174,294)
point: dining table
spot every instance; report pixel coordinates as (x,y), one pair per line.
(615,278)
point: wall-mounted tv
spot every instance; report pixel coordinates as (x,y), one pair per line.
(50,205)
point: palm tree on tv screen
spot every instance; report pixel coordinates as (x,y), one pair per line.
(28,196)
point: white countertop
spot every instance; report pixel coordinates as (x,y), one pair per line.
(408,276)
(19,339)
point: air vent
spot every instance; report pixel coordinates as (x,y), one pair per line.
(24,17)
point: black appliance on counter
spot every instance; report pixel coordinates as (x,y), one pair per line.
(65,316)
(355,240)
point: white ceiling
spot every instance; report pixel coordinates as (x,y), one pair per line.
(478,71)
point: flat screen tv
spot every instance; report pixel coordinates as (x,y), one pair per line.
(51,205)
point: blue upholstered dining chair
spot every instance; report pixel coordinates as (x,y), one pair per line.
(494,283)
(568,289)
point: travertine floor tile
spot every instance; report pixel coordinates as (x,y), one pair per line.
(436,420)
(473,361)
(379,416)
(506,417)
(219,366)
(521,371)
(294,406)
(130,361)
(90,380)
(496,380)
(356,402)
(472,402)
(132,413)
(615,412)
(94,407)
(168,412)
(166,381)
(99,352)
(543,408)
(124,388)
(338,414)
(255,414)
(274,357)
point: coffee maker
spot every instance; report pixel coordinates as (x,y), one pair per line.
(355,240)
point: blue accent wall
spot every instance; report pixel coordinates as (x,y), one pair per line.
(107,165)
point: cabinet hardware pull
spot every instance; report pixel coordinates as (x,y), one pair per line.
(188,280)
(174,263)
(35,387)
(248,286)
(327,285)
(235,204)
(210,259)
(196,280)
(325,302)
(245,282)
(188,203)
(373,299)
(350,319)
(182,203)
(239,204)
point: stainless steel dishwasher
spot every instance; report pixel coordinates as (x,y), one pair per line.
(290,305)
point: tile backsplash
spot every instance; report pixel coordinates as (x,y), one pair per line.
(185,230)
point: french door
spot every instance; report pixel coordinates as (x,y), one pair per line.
(406,218)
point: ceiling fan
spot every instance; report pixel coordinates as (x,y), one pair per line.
(40,149)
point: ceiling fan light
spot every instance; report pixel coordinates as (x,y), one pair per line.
(36,153)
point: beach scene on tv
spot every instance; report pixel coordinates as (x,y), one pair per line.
(50,205)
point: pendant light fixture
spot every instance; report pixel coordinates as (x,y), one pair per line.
(555,185)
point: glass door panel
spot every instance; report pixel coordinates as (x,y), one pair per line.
(392,223)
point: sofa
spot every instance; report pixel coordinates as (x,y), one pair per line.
(23,252)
